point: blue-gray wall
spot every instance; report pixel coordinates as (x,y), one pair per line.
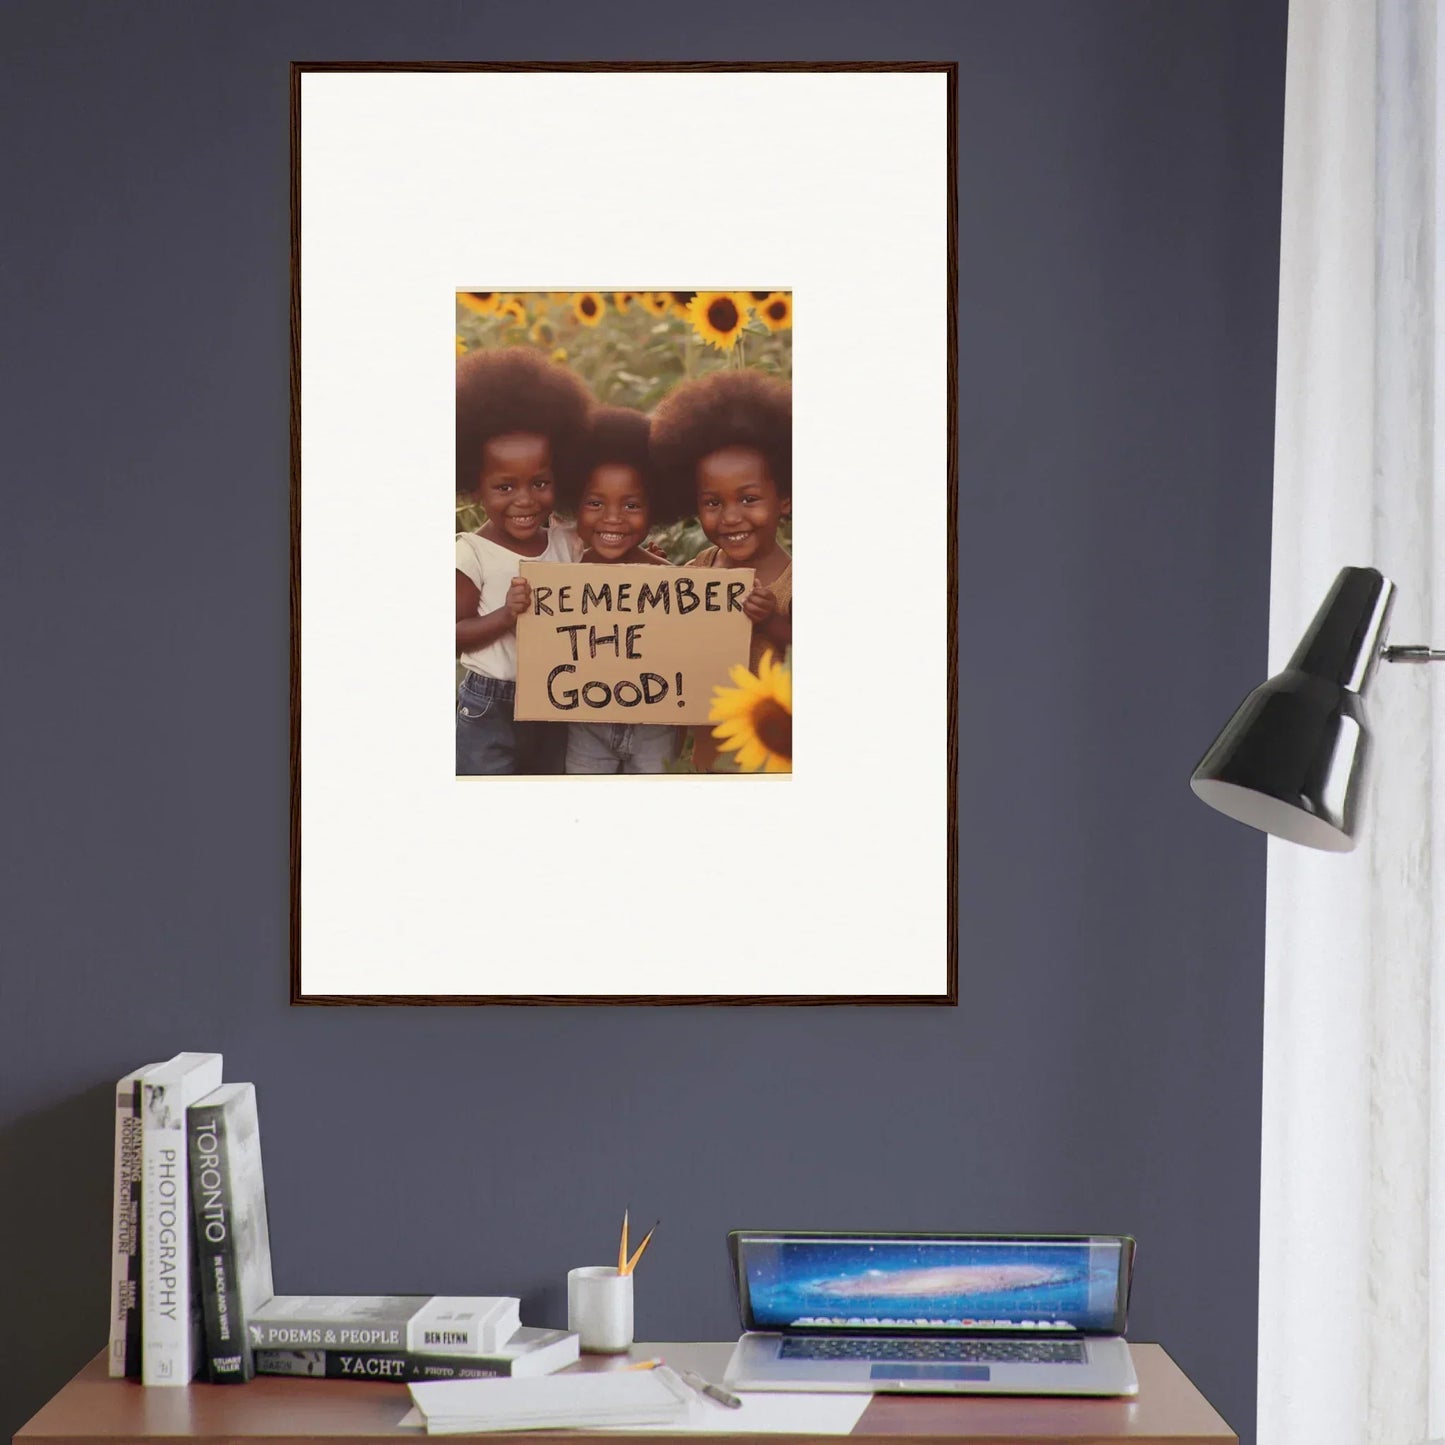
(1119,199)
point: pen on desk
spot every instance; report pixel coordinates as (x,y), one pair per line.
(713,1392)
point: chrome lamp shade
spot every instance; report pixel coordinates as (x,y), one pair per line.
(1292,759)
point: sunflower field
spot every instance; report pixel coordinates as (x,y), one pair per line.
(632,348)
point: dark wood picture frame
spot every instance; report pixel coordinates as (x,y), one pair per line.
(950,842)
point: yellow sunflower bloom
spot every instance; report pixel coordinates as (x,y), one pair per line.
(513,311)
(544,333)
(776,313)
(587,307)
(560,355)
(657,302)
(623,299)
(679,301)
(483,303)
(755,717)
(719,317)
(461,347)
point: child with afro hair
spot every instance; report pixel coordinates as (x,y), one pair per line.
(520,422)
(723,445)
(616,503)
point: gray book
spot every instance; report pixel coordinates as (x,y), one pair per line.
(125,1282)
(228,1211)
(530,1352)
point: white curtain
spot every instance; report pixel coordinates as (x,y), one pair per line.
(1352,1236)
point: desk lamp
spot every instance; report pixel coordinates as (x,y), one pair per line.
(1292,758)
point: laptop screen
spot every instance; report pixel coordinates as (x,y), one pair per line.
(1030,1284)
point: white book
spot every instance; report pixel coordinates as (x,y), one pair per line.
(426,1324)
(170,1321)
(124,1351)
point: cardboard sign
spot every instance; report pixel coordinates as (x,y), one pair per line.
(628,644)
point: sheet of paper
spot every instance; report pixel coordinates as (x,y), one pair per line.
(769,1412)
(764,1412)
(584,1399)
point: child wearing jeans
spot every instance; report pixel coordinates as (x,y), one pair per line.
(615,510)
(520,420)
(724,445)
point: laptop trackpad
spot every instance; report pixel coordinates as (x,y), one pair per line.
(930,1372)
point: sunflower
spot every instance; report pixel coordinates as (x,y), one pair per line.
(461,347)
(718,316)
(680,300)
(758,297)
(657,302)
(776,313)
(755,717)
(587,307)
(623,299)
(544,333)
(513,311)
(560,355)
(484,303)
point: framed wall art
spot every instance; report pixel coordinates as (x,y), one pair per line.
(680,335)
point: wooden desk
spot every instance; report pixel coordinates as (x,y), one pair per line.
(95,1410)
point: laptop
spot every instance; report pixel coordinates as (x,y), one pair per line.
(965,1314)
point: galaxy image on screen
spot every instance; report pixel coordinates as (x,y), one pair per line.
(906,1284)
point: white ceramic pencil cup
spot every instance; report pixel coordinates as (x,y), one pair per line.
(599,1308)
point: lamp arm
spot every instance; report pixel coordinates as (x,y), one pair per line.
(1413,653)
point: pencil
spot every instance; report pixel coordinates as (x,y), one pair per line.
(622,1247)
(637,1254)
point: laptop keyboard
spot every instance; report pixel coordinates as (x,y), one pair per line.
(963,1351)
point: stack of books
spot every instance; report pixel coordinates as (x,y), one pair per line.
(191,1285)
(403,1338)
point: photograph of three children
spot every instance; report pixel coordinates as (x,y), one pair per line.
(643,440)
